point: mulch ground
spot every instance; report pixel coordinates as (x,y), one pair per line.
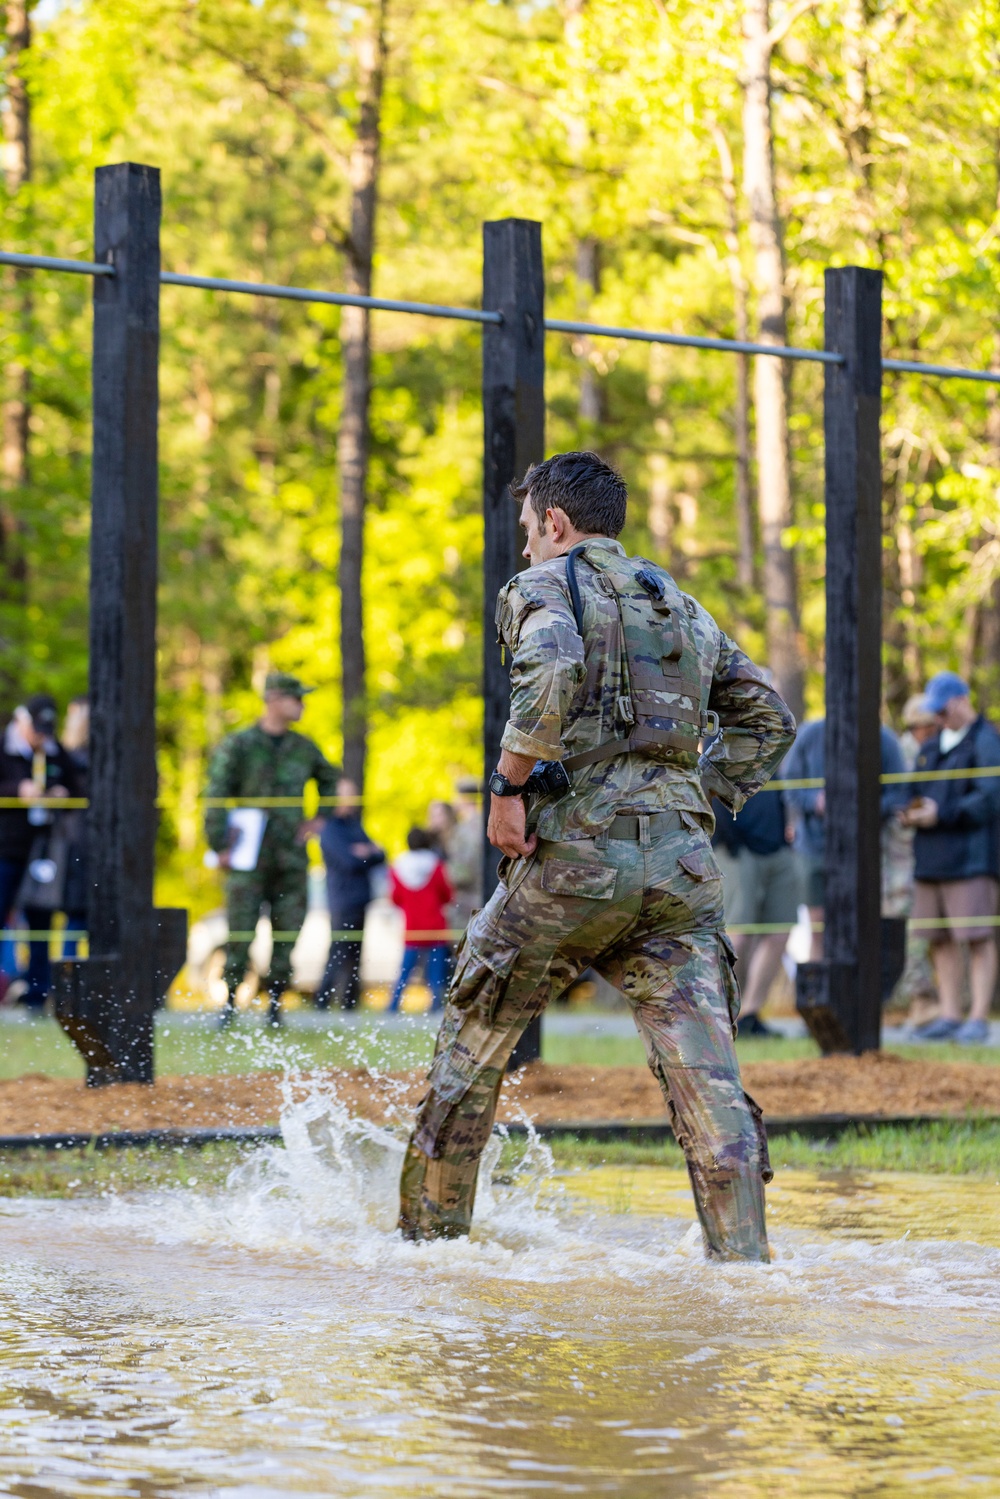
(879,1084)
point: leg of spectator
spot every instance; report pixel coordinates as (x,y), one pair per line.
(947,958)
(816,914)
(435,973)
(411,957)
(762,971)
(39,969)
(243,900)
(982,976)
(350,973)
(288,895)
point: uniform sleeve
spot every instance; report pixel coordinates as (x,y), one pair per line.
(324,774)
(798,767)
(757,728)
(894,795)
(536,625)
(223,781)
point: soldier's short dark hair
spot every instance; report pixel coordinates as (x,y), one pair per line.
(590,491)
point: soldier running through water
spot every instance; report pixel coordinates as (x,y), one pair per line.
(600,808)
(267,761)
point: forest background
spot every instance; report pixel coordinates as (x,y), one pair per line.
(695,168)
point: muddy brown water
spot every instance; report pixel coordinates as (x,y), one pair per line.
(278,1338)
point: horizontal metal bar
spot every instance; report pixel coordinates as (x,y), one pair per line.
(691,341)
(943,371)
(335,298)
(52,263)
(476,315)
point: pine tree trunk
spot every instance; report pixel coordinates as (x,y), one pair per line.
(14,467)
(588,275)
(355,340)
(770,393)
(745,558)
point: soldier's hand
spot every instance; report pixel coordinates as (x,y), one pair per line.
(506,827)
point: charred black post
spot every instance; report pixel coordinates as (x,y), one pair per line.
(513,438)
(107,1002)
(843,1009)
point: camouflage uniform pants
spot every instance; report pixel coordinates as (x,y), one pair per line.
(283,889)
(645,912)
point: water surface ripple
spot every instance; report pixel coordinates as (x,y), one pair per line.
(278,1338)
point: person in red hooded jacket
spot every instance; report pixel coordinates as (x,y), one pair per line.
(419,886)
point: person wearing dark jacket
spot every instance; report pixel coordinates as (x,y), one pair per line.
(33,764)
(806,762)
(349,856)
(764,890)
(957,859)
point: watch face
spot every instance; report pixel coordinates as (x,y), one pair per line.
(497,784)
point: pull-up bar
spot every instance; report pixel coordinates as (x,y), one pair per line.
(107,1002)
(476,315)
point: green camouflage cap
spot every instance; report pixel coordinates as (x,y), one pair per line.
(283,681)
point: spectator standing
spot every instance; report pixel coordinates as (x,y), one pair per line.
(763,887)
(419,886)
(807,762)
(917,982)
(350,856)
(465,862)
(268,760)
(76,743)
(957,859)
(33,764)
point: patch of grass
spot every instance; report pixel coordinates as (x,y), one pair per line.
(41,1046)
(957,1148)
(248,1047)
(88,1172)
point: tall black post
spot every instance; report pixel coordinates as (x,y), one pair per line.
(513,438)
(852,407)
(107,1004)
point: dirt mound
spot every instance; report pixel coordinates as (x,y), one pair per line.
(878,1084)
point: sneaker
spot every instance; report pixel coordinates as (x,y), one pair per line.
(973,1033)
(752,1025)
(940,1029)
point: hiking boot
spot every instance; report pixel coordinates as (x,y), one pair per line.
(941,1029)
(973,1033)
(752,1025)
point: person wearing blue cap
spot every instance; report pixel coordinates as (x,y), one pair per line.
(957,859)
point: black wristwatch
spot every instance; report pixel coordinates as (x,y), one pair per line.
(500,786)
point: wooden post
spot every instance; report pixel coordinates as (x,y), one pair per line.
(107,1005)
(850,988)
(513,438)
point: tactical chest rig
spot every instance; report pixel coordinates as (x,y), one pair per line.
(659,663)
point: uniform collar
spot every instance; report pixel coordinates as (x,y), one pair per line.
(602,541)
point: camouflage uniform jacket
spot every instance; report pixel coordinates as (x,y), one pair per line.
(563,702)
(254,764)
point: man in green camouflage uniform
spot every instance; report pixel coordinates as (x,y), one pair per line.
(267,760)
(619,676)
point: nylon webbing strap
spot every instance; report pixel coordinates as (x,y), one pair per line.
(644,739)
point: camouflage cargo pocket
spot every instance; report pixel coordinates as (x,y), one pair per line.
(701,864)
(481,973)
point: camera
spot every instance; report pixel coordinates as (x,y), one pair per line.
(549,778)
